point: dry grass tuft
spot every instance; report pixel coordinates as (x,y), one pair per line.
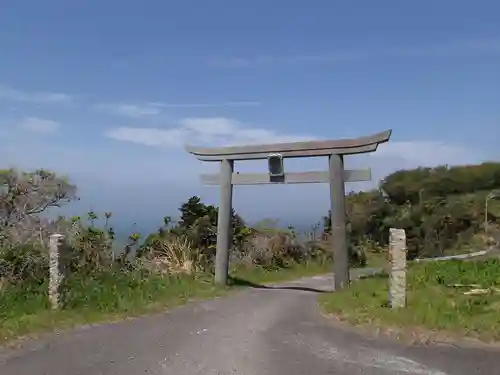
(173,255)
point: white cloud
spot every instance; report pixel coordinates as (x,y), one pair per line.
(40,97)
(38,125)
(202,131)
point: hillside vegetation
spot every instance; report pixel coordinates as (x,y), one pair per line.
(442,210)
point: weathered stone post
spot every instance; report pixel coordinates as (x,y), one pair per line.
(55,274)
(337,209)
(397,253)
(224,229)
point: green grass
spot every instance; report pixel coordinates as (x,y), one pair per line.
(432,305)
(115,296)
(378,260)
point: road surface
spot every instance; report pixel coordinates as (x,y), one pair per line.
(265,331)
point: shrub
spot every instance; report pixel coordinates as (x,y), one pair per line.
(172,255)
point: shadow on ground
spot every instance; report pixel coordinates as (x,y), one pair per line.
(242,282)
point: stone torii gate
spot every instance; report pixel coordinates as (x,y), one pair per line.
(336,176)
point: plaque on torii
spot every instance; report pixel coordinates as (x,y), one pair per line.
(275,154)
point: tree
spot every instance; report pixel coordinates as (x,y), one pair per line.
(194,209)
(24,196)
(200,220)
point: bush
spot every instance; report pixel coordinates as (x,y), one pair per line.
(27,263)
(272,249)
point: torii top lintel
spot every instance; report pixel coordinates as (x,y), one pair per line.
(293,150)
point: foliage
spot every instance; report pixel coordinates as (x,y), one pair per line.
(24,196)
(424,201)
(204,217)
(413,185)
(440,208)
(197,229)
(272,249)
(23,263)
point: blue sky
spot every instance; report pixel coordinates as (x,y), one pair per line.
(108,92)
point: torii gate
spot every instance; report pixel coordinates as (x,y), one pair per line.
(275,153)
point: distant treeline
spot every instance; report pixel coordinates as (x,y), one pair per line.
(440,208)
(411,185)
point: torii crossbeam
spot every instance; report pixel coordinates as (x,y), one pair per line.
(336,176)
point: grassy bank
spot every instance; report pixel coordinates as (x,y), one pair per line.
(114,296)
(436,306)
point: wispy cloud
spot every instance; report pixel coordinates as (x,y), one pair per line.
(38,125)
(40,97)
(131,110)
(461,48)
(151,109)
(203,131)
(127,109)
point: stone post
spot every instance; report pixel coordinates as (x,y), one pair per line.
(55,274)
(397,254)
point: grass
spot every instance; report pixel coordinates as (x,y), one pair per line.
(115,296)
(434,308)
(377,260)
